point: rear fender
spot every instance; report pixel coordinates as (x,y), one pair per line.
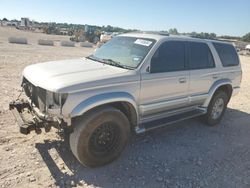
(213,89)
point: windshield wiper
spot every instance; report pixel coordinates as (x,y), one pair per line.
(117,64)
(109,62)
(91,57)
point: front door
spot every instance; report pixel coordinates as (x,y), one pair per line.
(165,86)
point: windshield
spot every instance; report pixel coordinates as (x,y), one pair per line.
(124,52)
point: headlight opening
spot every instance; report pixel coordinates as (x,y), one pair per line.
(59,98)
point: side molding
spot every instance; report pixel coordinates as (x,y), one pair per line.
(214,87)
(102,99)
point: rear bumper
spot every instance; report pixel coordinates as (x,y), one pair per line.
(36,122)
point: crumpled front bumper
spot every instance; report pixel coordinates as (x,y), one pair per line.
(35,122)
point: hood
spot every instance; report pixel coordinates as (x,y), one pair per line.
(57,75)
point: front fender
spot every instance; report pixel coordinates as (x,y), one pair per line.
(102,99)
(213,89)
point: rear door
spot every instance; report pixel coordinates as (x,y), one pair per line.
(202,75)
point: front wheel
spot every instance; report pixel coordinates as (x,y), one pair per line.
(216,108)
(100,136)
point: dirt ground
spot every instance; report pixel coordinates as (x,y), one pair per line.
(187,154)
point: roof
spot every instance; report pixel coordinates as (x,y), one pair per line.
(159,36)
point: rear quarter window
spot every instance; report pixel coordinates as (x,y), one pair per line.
(227,54)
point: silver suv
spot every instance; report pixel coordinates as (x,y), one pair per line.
(135,82)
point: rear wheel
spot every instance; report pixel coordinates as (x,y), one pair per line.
(100,136)
(216,108)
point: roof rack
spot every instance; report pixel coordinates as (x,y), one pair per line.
(153,32)
(212,39)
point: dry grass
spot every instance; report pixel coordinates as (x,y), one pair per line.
(18,40)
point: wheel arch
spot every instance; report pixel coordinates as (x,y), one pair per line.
(119,100)
(224,85)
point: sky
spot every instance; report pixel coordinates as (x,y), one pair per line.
(223,17)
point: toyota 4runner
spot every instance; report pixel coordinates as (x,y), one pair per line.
(134,82)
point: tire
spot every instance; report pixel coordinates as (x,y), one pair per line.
(100,136)
(214,115)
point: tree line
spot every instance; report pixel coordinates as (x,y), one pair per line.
(52,27)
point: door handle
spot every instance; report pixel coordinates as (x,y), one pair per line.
(182,80)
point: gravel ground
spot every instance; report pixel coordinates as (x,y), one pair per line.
(187,154)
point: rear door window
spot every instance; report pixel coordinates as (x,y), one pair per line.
(200,56)
(227,54)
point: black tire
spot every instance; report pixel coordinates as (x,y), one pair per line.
(210,118)
(100,136)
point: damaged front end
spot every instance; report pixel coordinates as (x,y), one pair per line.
(42,109)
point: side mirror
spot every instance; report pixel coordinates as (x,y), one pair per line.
(148,69)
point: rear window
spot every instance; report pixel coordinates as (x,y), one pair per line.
(227,54)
